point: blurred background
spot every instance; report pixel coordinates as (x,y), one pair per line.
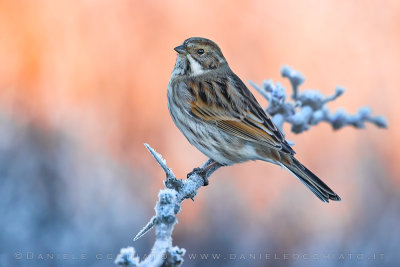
(83,86)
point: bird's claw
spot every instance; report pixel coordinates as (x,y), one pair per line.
(201,172)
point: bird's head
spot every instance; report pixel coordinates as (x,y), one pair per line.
(200,55)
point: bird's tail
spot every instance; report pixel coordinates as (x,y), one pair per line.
(319,188)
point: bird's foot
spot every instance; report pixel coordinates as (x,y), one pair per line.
(201,172)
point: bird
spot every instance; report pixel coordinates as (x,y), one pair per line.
(219,115)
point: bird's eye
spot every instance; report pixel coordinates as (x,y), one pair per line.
(200,51)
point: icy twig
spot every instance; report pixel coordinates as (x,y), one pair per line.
(167,207)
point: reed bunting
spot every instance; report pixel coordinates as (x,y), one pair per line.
(218,114)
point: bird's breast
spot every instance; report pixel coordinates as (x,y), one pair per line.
(210,140)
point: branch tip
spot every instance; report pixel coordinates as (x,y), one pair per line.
(160,160)
(145,229)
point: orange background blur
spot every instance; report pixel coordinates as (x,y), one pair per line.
(96,73)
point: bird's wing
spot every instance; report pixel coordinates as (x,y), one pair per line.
(230,106)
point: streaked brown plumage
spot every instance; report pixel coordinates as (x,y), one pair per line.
(217,113)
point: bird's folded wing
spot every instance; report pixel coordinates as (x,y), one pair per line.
(248,123)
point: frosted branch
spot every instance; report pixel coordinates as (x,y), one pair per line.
(167,207)
(306,109)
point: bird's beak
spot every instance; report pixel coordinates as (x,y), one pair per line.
(180,49)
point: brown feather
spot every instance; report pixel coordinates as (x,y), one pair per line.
(251,123)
